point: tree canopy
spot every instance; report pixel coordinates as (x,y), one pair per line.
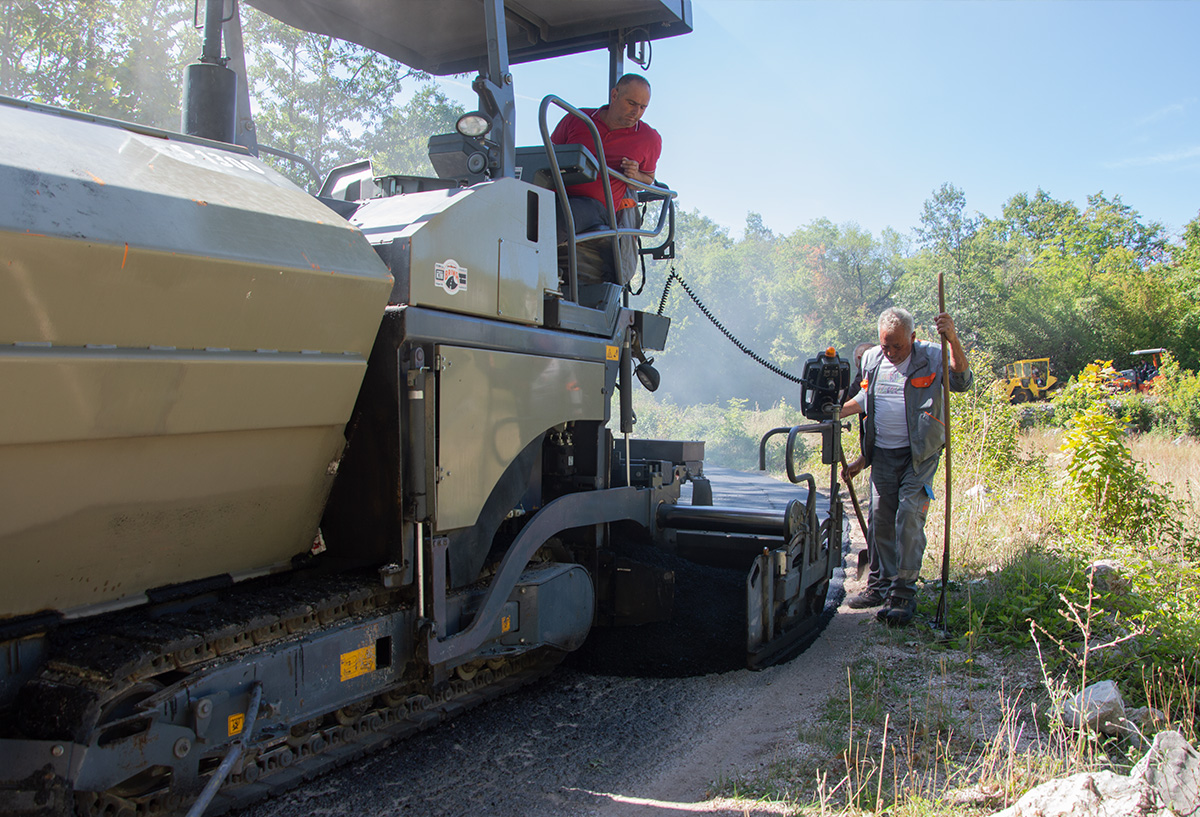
(121,60)
(331,101)
(323,99)
(1044,278)
(1041,278)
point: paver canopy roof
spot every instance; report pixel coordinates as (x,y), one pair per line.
(448,36)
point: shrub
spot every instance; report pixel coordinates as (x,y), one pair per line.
(1179,393)
(1113,495)
(1087,389)
(985,426)
(1139,411)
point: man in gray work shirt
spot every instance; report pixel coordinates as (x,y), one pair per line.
(904,436)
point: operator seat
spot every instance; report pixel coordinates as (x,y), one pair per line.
(593,259)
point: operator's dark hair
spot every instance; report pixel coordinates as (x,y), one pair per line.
(628,78)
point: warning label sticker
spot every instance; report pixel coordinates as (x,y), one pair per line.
(450,276)
(358,662)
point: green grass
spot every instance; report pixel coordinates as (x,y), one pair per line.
(1020,595)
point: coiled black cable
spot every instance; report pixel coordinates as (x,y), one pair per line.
(662,305)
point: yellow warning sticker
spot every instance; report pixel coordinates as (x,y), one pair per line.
(236,724)
(505,624)
(358,662)
(612,353)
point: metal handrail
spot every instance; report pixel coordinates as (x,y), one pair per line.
(656,190)
(791,431)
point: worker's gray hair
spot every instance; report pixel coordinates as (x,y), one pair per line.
(628,78)
(894,317)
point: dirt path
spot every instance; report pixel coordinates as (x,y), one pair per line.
(763,713)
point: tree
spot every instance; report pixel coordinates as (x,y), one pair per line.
(693,230)
(785,297)
(399,143)
(1184,281)
(756,230)
(965,251)
(1041,222)
(315,95)
(847,277)
(946,230)
(1188,256)
(1114,237)
(121,60)
(1077,285)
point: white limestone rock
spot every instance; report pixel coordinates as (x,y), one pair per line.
(1165,783)
(1099,707)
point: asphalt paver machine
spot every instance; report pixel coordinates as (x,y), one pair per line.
(287,477)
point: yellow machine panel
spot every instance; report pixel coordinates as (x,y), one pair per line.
(484,422)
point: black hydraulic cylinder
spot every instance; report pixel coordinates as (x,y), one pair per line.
(626,388)
(715,518)
(213,11)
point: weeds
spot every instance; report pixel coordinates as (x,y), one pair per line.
(1179,392)
(911,736)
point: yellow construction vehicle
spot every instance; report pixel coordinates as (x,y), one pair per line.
(1027,380)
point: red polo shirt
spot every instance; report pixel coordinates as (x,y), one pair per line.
(640,143)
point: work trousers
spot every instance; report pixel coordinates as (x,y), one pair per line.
(587,213)
(900,496)
(590,214)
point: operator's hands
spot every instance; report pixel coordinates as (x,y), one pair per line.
(958,356)
(630,167)
(945,326)
(853,469)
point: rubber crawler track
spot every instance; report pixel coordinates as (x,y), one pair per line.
(90,671)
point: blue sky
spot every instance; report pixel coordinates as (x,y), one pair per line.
(857,111)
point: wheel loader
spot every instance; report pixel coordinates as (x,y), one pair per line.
(1027,381)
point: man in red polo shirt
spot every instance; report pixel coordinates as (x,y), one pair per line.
(630,146)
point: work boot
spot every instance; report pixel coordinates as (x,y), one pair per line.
(866,598)
(898,612)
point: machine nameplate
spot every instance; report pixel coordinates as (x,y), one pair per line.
(451,277)
(358,662)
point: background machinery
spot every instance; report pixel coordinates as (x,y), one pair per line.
(1147,367)
(1026,381)
(1141,376)
(286,477)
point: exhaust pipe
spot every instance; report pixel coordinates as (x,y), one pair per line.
(209,88)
